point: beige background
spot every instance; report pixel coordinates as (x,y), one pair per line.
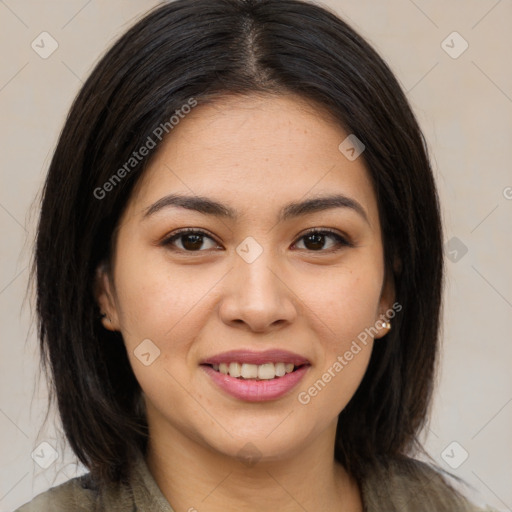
(465,108)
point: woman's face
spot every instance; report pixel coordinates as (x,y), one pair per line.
(255,286)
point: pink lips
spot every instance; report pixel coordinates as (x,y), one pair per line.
(252,390)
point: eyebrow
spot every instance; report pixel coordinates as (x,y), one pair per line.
(208,206)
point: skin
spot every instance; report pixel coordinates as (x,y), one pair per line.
(254,154)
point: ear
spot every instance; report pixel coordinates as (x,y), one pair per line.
(103,292)
(387,299)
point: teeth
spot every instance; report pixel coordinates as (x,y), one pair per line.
(249,371)
(280,369)
(265,371)
(235,370)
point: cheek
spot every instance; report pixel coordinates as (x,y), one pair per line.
(170,308)
(345,310)
(153,300)
(345,302)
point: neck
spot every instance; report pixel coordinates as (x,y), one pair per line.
(194,477)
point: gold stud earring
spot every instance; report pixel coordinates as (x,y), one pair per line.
(386,325)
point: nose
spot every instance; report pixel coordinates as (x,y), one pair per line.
(257,296)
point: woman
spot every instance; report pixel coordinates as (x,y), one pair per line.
(239,271)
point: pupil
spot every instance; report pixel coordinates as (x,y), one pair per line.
(196,244)
(317,239)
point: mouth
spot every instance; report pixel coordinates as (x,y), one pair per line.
(256,376)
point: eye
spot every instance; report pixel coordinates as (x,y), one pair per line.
(314,240)
(191,240)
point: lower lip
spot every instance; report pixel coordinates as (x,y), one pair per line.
(252,390)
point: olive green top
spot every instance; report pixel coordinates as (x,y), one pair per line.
(405,486)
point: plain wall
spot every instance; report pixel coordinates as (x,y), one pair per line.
(464,105)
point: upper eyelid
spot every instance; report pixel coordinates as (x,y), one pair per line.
(185,231)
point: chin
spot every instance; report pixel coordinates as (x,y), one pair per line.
(250,446)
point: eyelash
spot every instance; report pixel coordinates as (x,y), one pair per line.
(341,241)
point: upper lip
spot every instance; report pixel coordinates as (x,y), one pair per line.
(251,357)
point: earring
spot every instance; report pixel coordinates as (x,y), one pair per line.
(386,325)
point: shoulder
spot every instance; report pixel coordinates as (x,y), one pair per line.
(77,494)
(411,485)
(138,492)
(80,494)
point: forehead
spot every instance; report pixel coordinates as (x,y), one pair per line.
(256,153)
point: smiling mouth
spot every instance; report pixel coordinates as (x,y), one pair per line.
(245,371)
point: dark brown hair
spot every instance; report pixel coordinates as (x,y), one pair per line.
(202,49)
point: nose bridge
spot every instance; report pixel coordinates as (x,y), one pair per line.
(259,277)
(256,294)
